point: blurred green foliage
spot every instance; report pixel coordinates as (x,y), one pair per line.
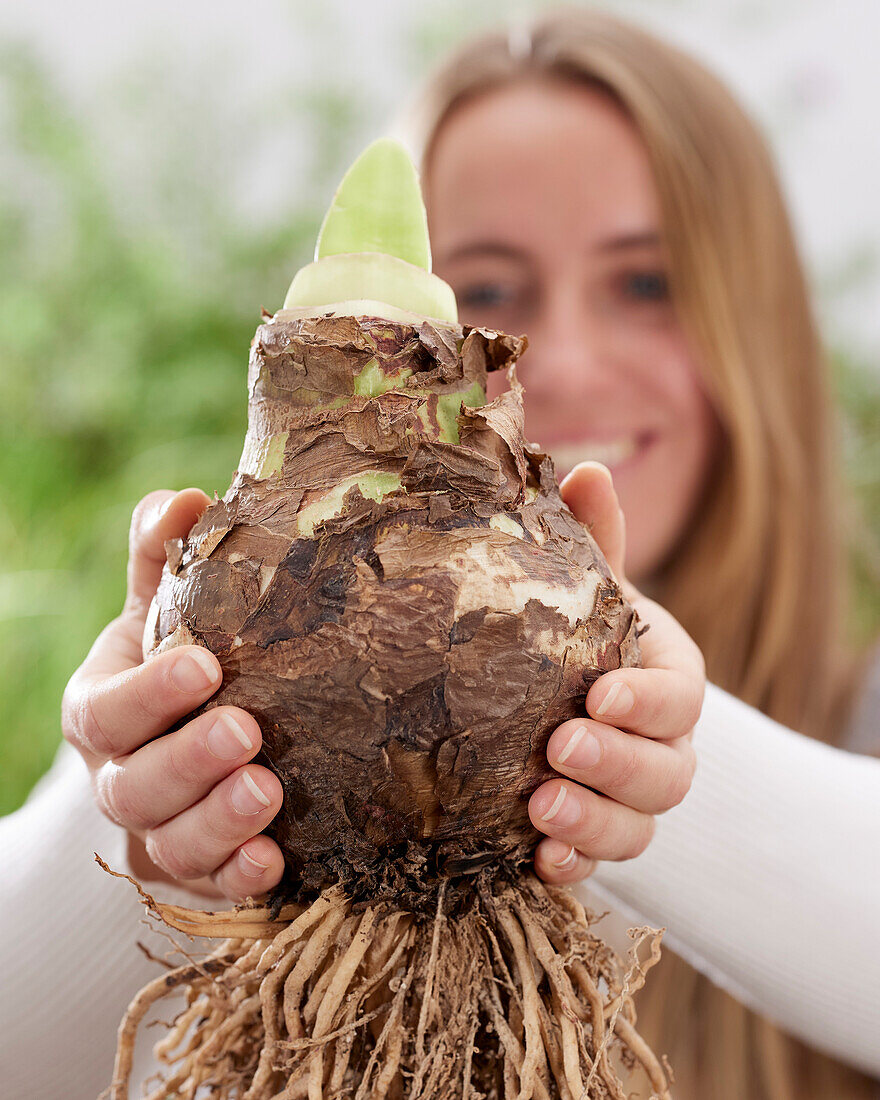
(123,367)
(858,393)
(123,350)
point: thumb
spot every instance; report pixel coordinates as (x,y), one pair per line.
(161,515)
(589,492)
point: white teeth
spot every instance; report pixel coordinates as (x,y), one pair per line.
(610,452)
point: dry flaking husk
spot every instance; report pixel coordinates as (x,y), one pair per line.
(407,659)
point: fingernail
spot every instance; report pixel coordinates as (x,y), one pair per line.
(569,861)
(582,750)
(194,672)
(249,866)
(562,810)
(246,797)
(164,508)
(601,468)
(618,702)
(226,739)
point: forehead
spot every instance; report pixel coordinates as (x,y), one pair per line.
(551,160)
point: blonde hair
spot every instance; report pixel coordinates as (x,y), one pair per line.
(764,545)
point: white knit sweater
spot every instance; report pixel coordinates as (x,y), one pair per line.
(767,878)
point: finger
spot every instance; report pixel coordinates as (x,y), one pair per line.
(113,716)
(598,827)
(172,773)
(660,703)
(202,838)
(561,863)
(663,699)
(251,871)
(650,776)
(160,516)
(589,492)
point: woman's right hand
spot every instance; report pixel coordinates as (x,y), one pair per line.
(193,805)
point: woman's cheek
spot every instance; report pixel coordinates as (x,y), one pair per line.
(660,495)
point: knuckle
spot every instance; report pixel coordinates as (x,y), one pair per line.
(679,785)
(628,766)
(171,858)
(673,708)
(641,838)
(178,763)
(89,731)
(592,834)
(587,868)
(589,841)
(229,829)
(681,774)
(659,707)
(105,801)
(224,880)
(693,710)
(147,697)
(690,756)
(118,801)
(689,759)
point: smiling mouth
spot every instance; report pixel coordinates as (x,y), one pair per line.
(612,453)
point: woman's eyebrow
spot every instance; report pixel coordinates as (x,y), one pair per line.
(495,249)
(645,238)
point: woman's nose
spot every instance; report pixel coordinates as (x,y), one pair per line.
(570,346)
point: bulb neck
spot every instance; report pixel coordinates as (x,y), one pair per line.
(334,397)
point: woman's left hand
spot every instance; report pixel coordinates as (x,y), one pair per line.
(631,757)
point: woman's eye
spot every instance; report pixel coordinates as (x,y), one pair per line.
(646,286)
(484,296)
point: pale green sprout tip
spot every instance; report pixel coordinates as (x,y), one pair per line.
(373,255)
(378,207)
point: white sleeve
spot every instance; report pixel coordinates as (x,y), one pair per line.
(767,877)
(69,933)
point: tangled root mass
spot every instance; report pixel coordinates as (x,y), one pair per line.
(510,998)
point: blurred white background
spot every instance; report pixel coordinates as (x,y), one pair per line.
(807,69)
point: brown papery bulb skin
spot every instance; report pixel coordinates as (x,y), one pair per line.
(406,657)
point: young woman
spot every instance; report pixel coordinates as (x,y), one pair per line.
(600,191)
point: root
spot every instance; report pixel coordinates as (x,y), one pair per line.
(504,995)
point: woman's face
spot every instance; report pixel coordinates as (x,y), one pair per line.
(545,220)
